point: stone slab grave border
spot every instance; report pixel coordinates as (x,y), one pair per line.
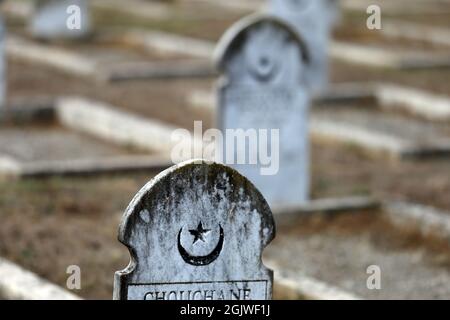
(344,51)
(60,59)
(415,31)
(81,65)
(303,287)
(23,284)
(384,58)
(76,64)
(239,6)
(394,7)
(427,221)
(351,5)
(167,42)
(17,283)
(140,8)
(416,102)
(99,120)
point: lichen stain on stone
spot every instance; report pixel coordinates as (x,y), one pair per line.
(177,200)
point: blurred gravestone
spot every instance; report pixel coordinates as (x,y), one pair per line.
(3,78)
(60,19)
(313,20)
(263,60)
(196,232)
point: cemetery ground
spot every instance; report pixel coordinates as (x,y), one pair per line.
(74,221)
(61,221)
(367,175)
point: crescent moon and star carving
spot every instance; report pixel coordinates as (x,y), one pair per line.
(200,235)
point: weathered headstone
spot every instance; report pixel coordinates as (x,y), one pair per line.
(313,20)
(196,232)
(60,19)
(263,63)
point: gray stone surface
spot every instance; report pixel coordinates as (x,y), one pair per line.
(427,220)
(50,19)
(31,144)
(313,20)
(74,136)
(391,57)
(196,231)
(17,283)
(418,102)
(3,78)
(399,135)
(54,57)
(117,126)
(418,32)
(296,286)
(262,61)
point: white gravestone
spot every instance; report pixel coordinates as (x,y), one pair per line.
(196,232)
(60,19)
(314,21)
(263,88)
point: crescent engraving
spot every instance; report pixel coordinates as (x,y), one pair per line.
(201,260)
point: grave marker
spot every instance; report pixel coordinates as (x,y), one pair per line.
(3,78)
(263,88)
(196,232)
(60,19)
(313,20)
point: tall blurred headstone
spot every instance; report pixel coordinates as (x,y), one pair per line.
(196,232)
(3,78)
(60,19)
(262,61)
(314,21)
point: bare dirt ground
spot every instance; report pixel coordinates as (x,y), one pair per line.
(164,100)
(195,19)
(338,250)
(60,222)
(47,226)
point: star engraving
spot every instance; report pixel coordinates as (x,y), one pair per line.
(199,233)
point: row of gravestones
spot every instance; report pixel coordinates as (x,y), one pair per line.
(269,66)
(50,21)
(197,231)
(312,19)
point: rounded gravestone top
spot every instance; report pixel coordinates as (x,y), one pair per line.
(235,36)
(197,222)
